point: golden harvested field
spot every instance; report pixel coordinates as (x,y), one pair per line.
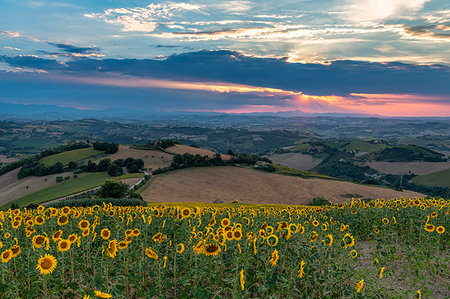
(295,160)
(181,149)
(152,158)
(11,188)
(207,184)
(403,167)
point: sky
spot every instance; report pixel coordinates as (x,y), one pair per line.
(376,57)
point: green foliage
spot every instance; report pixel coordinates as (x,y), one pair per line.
(89,202)
(408,153)
(114,170)
(109,148)
(439,179)
(320,201)
(68,156)
(113,189)
(80,184)
(364,146)
(300,173)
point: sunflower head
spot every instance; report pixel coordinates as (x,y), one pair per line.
(272,240)
(83,224)
(237,234)
(151,253)
(180,248)
(225,222)
(38,241)
(6,255)
(353,253)
(429,227)
(211,249)
(63,220)
(46,264)
(105,234)
(440,229)
(64,245)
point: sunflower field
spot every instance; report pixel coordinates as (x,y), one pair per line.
(381,248)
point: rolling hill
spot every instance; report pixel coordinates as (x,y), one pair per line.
(207,184)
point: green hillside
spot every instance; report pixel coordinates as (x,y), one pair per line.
(300,173)
(66,157)
(439,178)
(79,184)
(364,146)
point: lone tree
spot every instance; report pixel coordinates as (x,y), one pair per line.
(113,189)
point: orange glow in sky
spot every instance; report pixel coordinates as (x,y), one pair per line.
(401,105)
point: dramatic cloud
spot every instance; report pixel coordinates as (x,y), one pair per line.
(241,83)
(435,32)
(376,10)
(143,19)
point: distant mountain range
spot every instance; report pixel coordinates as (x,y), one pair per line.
(23,112)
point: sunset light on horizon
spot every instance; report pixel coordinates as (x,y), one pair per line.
(381,58)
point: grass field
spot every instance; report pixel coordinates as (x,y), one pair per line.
(299,148)
(440,179)
(300,173)
(364,146)
(66,157)
(69,187)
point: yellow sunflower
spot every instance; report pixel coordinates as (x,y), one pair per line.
(314,236)
(102,295)
(64,245)
(272,240)
(353,253)
(429,228)
(315,222)
(151,253)
(186,212)
(359,286)
(83,224)
(274,259)
(237,235)
(39,220)
(211,249)
(328,240)
(241,279)
(112,248)
(180,248)
(63,220)
(38,241)
(225,222)
(105,234)
(122,245)
(301,271)
(6,255)
(15,250)
(136,232)
(57,235)
(440,229)
(46,264)
(380,273)
(349,241)
(73,238)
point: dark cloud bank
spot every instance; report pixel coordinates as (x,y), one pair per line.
(338,78)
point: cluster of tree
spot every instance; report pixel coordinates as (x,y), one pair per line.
(114,168)
(109,148)
(34,168)
(31,160)
(112,189)
(89,202)
(409,153)
(188,160)
(165,143)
